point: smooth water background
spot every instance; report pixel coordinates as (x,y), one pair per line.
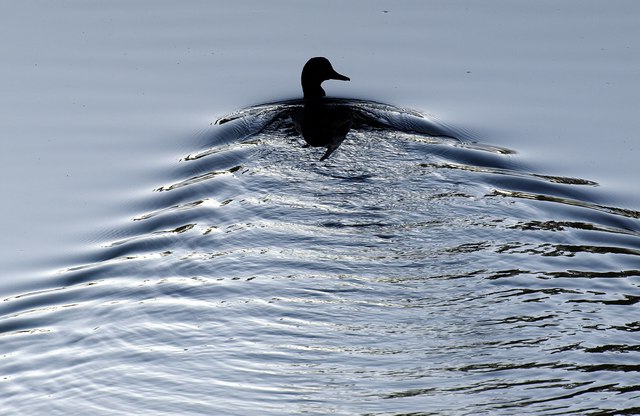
(392,279)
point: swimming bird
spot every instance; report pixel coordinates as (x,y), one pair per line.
(322,124)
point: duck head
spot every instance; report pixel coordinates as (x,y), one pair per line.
(316,71)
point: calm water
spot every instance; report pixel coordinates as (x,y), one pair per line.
(204,268)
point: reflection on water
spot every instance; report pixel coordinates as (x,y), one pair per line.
(413,272)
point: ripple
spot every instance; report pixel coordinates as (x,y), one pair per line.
(414,271)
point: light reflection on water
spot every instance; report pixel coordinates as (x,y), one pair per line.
(406,274)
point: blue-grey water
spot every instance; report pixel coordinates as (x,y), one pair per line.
(159,262)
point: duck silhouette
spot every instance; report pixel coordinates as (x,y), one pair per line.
(322,123)
(325,122)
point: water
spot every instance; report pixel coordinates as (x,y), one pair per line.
(228,271)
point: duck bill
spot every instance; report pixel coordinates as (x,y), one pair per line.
(339,77)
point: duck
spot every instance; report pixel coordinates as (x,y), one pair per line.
(321,123)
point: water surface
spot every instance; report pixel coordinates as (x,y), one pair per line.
(160,263)
(408,273)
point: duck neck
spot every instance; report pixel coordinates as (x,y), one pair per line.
(312,90)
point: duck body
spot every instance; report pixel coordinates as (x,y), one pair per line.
(321,123)
(325,125)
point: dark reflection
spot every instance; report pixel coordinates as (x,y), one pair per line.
(321,123)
